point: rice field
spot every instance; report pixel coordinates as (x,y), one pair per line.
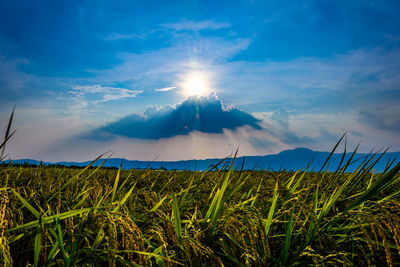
(94,216)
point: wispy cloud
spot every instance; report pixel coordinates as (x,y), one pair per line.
(12,79)
(340,83)
(106,93)
(83,96)
(377,121)
(121,36)
(196,25)
(164,66)
(316,131)
(166,89)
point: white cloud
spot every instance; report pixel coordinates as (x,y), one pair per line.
(298,86)
(169,65)
(322,131)
(166,89)
(307,88)
(340,82)
(196,25)
(82,100)
(106,93)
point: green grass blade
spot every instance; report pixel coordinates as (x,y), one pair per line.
(333,150)
(124,182)
(289,184)
(286,245)
(271,210)
(7,135)
(159,203)
(212,206)
(25,203)
(343,156)
(60,240)
(350,160)
(257,192)
(52,253)
(116,183)
(125,198)
(189,187)
(37,247)
(50,219)
(76,176)
(219,197)
(176,217)
(73,252)
(375,187)
(99,237)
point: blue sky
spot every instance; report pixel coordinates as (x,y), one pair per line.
(300,72)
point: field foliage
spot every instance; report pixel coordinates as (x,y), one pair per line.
(95,216)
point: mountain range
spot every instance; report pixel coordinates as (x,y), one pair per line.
(295,159)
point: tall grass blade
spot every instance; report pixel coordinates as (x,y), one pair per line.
(99,237)
(289,184)
(60,240)
(7,135)
(257,192)
(189,187)
(389,164)
(72,253)
(375,187)
(271,210)
(215,167)
(116,183)
(52,253)
(349,161)
(343,156)
(50,219)
(25,203)
(37,246)
(176,217)
(159,203)
(76,176)
(125,198)
(286,245)
(333,150)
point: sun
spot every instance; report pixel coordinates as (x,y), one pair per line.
(196,84)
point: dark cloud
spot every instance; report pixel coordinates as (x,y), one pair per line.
(292,138)
(377,121)
(262,143)
(203,114)
(278,124)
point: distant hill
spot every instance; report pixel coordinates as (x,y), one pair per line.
(294,159)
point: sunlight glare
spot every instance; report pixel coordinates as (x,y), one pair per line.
(196,84)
